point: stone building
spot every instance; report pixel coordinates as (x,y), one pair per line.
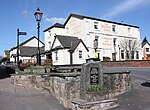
(100,36)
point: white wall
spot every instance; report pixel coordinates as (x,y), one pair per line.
(33,43)
(49,36)
(76,59)
(84,29)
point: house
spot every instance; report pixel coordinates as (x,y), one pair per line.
(68,50)
(6,53)
(106,38)
(27,51)
(146,49)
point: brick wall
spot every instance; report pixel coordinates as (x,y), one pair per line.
(126,64)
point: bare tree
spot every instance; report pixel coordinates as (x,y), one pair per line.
(130,46)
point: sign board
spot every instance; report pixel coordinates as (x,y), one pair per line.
(22,33)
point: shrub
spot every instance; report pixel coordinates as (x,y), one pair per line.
(106,59)
(94,88)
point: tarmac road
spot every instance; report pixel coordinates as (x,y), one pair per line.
(138,98)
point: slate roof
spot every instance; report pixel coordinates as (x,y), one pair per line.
(82,17)
(27,51)
(68,42)
(23,43)
(58,25)
(7,53)
(145,41)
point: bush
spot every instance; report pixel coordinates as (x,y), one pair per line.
(94,89)
(106,59)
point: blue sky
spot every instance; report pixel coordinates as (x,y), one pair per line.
(20,14)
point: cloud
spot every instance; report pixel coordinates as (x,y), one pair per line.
(55,20)
(25,13)
(125,7)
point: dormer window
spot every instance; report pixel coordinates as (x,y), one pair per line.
(95,25)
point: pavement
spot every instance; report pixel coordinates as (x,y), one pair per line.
(26,98)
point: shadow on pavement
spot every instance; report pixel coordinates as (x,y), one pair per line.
(146,84)
(5,72)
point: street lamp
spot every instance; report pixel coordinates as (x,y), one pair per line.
(38,16)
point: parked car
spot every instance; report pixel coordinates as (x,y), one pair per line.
(8,63)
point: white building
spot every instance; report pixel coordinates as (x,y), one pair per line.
(146,49)
(68,50)
(102,36)
(27,51)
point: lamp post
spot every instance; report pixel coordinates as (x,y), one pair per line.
(19,33)
(38,16)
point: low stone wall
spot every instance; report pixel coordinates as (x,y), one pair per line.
(31,80)
(66,87)
(142,63)
(96,105)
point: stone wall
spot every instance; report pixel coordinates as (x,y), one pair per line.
(66,87)
(141,63)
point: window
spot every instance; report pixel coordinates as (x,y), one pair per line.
(127,54)
(137,54)
(49,33)
(132,54)
(122,54)
(147,49)
(56,56)
(129,31)
(95,25)
(114,28)
(114,41)
(130,43)
(80,54)
(96,42)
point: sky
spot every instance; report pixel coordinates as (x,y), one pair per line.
(20,14)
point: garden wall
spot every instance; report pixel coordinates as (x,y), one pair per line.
(141,63)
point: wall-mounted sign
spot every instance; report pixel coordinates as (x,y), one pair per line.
(106,27)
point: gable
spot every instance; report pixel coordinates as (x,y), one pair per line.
(56,45)
(146,45)
(33,43)
(81,46)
